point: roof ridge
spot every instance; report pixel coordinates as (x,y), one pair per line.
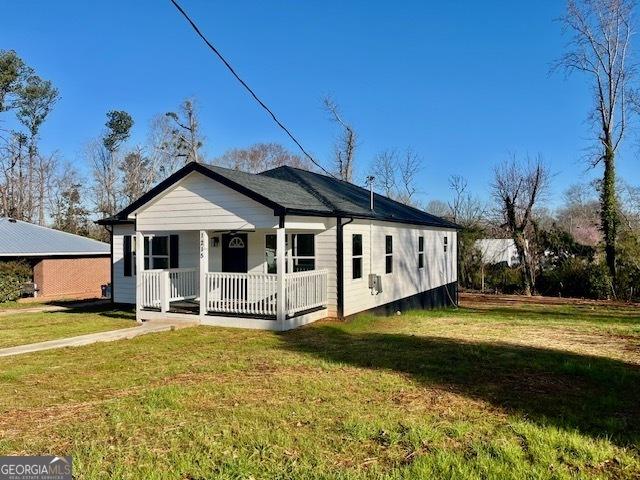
(304,184)
(291,167)
(416,209)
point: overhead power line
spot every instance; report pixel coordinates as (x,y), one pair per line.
(247,87)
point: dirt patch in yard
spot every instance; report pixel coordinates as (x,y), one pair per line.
(470,299)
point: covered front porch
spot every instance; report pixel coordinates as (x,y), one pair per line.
(265,278)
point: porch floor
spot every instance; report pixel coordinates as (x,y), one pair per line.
(192,307)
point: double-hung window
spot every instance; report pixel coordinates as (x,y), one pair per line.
(388,254)
(160,252)
(156,257)
(420,252)
(270,254)
(303,252)
(356,253)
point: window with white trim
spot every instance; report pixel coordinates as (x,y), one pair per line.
(446,241)
(157,252)
(420,252)
(158,255)
(303,252)
(271,256)
(388,254)
(356,254)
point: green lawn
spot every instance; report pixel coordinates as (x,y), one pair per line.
(13,305)
(484,392)
(23,328)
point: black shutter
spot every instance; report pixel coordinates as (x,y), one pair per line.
(173,251)
(127,255)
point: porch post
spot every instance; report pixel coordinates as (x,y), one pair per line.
(204,268)
(165,292)
(281,301)
(139,270)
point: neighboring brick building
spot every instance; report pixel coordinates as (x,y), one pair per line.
(73,277)
(64,265)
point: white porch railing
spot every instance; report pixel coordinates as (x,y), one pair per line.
(249,293)
(150,284)
(237,293)
(306,290)
(183,284)
(160,287)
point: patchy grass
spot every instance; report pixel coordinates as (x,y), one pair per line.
(23,328)
(71,302)
(13,305)
(489,392)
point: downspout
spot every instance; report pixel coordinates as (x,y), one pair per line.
(340,265)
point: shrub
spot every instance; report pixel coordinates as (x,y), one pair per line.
(628,267)
(13,276)
(501,278)
(575,277)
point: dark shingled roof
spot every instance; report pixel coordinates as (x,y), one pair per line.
(347,199)
(298,192)
(288,194)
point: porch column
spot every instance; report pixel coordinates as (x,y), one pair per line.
(204,268)
(281,301)
(139,270)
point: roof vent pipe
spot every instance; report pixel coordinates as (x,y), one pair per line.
(370,180)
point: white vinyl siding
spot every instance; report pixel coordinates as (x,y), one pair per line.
(124,288)
(326,252)
(406,279)
(198,203)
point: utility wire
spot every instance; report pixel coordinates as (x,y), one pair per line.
(248,88)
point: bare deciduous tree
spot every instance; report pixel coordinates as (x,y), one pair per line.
(465,209)
(384,171)
(346,142)
(138,174)
(600,48)
(438,208)
(67,207)
(260,157)
(106,179)
(517,188)
(396,175)
(409,167)
(580,214)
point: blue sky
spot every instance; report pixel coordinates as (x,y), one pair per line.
(463,83)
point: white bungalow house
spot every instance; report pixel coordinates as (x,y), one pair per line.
(275,250)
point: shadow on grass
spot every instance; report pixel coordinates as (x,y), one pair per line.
(103,310)
(595,396)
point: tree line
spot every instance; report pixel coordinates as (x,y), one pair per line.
(39,187)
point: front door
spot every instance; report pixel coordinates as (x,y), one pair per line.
(234,252)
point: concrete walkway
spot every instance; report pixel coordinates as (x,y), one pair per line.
(110,336)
